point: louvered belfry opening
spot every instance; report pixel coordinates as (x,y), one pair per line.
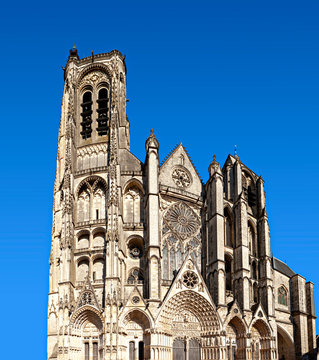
(86,115)
(102,112)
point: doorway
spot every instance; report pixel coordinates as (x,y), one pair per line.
(186,349)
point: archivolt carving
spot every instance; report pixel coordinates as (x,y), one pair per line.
(84,314)
(192,303)
(93,78)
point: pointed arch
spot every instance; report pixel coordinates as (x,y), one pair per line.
(85,314)
(133,202)
(94,67)
(252,238)
(194,303)
(228,227)
(229,271)
(285,344)
(91,199)
(139,316)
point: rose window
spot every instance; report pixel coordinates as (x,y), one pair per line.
(181,219)
(181,178)
(86,299)
(190,279)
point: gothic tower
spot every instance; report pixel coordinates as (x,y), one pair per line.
(149,262)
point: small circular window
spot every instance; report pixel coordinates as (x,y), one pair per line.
(135,248)
(190,279)
(135,253)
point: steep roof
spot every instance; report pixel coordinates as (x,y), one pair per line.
(282,267)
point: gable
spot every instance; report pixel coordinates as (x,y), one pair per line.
(178,172)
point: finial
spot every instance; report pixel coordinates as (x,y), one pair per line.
(74,46)
(235,150)
(92,56)
(214,157)
(152,132)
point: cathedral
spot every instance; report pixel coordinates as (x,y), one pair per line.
(149,262)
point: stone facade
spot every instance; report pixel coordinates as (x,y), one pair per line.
(147,261)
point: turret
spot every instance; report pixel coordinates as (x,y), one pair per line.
(152,204)
(215,267)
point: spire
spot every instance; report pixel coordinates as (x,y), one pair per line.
(151,141)
(214,167)
(235,154)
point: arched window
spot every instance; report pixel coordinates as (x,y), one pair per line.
(228,270)
(136,248)
(82,270)
(252,241)
(135,277)
(133,205)
(91,200)
(254,273)
(255,291)
(98,269)
(282,296)
(83,241)
(86,115)
(99,239)
(228,229)
(98,202)
(102,118)
(165,268)
(84,204)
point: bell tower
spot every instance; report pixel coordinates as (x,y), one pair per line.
(86,252)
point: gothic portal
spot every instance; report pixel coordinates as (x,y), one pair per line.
(149,262)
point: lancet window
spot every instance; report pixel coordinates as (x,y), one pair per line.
(228,231)
(252,240)
(133,205)
(228,270)
(282,296)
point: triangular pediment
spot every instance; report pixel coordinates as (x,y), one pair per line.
(188,278)
(135,300)
(188,296)
(259,312)
(87,296)
(178,172)
(235,312)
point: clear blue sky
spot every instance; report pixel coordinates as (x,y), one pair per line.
(210,74)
